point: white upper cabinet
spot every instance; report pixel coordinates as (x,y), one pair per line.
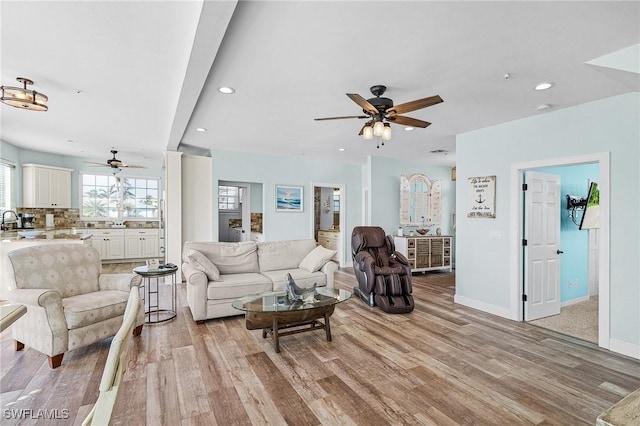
(46,186)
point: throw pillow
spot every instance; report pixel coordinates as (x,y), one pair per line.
(202,263)
(316,259)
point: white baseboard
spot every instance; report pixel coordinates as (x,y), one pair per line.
(484,307)
(624,348)
(574,301)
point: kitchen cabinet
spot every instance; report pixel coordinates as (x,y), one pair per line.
(141,243)
(331,241)
(46,186)
(426,253)
(109,243)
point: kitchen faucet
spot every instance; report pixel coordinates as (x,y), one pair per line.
(4,226)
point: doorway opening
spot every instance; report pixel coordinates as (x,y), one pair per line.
(239,211)
(602,255)
(328,224)
(560,275)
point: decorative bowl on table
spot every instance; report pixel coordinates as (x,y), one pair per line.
(422,231)
(30,234)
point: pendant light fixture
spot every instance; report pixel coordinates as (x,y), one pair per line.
(21,97)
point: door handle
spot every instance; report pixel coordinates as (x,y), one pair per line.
(559,252)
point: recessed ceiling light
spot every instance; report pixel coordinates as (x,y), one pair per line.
(543,107)
(226,90)
(201,129)
(341,149)
(544,86)
(408,128)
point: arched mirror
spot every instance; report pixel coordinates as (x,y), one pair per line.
(420,201)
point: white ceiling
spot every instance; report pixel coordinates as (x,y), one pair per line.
(149,71)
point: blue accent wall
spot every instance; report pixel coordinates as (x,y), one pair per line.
(574,269)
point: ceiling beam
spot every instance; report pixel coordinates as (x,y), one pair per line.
(213,24)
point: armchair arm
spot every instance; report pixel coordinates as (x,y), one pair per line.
(44,297)
(196,283)
(363,260)
(122,282)
(363,264)
(401,259)
(44,326)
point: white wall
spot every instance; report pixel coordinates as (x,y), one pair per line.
(197,198)
(609,125)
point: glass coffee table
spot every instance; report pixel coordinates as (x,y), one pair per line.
(278,317)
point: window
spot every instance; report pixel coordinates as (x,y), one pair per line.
(7,185)
(110,196)
(228,197)
(336,200)
(140,198)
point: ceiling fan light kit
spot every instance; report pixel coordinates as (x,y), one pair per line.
(381,113)
(23,98)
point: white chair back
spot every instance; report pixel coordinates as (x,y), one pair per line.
(115,366)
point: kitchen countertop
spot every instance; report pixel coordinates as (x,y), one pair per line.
(70,234)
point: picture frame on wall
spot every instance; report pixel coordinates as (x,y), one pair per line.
(289,199)
(482,197)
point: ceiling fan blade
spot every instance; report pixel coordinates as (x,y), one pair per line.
(132,166)
(340,118)
(408,121)
(94,164)
(364,104)
(414,105)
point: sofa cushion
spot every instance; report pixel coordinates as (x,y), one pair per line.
(302,277)
(316,258)
(235,286)
(229,258)
(202,263)
(278,255)
(90,308)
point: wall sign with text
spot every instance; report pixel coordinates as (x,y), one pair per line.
(482,196)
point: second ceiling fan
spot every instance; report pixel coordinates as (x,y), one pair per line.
(381,112)
(115,164)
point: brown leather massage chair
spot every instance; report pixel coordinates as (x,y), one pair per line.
(384,275)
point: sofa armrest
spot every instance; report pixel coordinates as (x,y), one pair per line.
(122,282)
(196,284)
(329,269)
(44,297)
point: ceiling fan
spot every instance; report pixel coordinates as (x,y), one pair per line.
(114,163)
(381,111)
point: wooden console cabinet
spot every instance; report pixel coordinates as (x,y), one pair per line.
(426,253)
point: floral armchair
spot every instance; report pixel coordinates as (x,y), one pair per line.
(70,303)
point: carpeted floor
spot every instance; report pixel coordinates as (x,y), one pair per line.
(579,320)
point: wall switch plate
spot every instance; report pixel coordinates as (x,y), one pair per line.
(495,235)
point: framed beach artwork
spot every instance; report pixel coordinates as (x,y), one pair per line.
(288,198)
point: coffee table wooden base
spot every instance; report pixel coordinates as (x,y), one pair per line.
(277,324)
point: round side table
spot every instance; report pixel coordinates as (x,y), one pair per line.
(151,294)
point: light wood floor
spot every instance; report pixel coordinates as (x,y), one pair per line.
(443,364)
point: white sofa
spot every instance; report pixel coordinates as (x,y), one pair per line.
(216,274)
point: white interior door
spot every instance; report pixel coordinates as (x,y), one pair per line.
(542,251)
